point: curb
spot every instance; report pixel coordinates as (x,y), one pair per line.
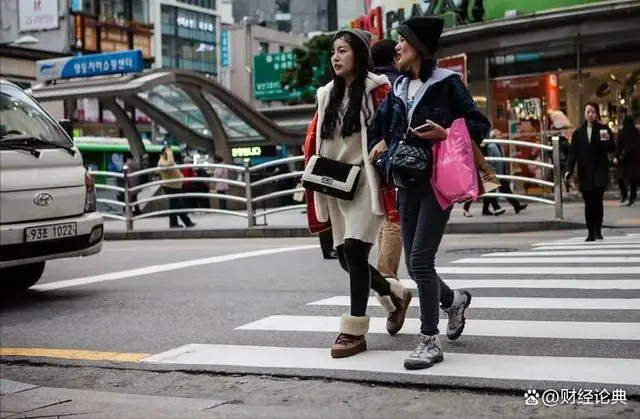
(290,232)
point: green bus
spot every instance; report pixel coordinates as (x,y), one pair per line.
(109,154)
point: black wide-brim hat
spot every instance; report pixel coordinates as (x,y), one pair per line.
(422,33)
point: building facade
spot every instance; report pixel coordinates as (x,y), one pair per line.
(188,35)
(297,16)
(247,41)
(49,23)
(523,59)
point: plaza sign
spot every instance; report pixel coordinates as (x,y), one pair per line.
(383,24)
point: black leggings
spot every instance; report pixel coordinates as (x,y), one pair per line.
(353,256)
(593,209)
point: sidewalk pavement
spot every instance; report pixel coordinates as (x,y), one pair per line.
(20,400)
(537,217)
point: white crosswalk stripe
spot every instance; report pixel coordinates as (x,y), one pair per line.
(518,302)
(586,246)
(564,311)
(502,328)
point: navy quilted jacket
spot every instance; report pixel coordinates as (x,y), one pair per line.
(442,99)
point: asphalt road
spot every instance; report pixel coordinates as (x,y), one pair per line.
(150,299)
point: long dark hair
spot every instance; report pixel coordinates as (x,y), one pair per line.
(351,118)
(427,66)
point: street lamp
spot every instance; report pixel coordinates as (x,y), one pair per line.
(22,40)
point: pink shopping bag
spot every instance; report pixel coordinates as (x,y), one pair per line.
(455,177)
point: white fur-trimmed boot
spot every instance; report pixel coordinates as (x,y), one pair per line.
(351,339)
(396,305)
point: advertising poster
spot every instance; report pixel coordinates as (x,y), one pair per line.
(457,63)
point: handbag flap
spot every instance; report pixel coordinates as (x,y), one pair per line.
(332,173)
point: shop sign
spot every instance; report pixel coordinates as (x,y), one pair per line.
(371,22)
(90,65)
(457,63)
(191,23)
(246,152)
(254,151)
(224,49)
(267,72)
(397,11)
(36,15)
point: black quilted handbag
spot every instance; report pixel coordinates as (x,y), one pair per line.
(412,162)
(331,177)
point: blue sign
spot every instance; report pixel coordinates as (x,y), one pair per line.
(76,5)
(90,65)
(224,49)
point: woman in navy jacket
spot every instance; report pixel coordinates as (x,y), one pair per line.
(424,92)
(590,148)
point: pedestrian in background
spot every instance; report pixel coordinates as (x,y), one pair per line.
(590,148)
(188,185)
(425,93)
(173,187)
(338,131)
(383,57)
(221,187)
(627,161)
(494,150)
(390,237)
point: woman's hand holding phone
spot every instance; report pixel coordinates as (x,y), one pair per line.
(430,131)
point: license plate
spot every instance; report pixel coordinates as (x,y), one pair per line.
(50,232)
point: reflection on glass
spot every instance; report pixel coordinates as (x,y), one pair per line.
(234,126)
(174,102)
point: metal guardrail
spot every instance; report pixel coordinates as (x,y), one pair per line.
(251,202)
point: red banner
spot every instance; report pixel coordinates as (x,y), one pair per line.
(457,63)
(552,92)
(371,22)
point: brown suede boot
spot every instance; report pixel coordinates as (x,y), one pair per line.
(396,305)
(351,339)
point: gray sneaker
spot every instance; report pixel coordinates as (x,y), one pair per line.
(455,313)
(428,352)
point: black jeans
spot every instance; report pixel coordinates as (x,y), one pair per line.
(222,201)
(593,209)
(423,224)
(630,192)
(505,188)
(353,256)
(174,204)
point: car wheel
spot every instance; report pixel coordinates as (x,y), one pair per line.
(20,278)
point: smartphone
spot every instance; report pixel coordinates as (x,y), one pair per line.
(424,128)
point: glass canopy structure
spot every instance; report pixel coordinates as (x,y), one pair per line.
(195,109)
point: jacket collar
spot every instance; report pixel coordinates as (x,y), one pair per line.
(401,87)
